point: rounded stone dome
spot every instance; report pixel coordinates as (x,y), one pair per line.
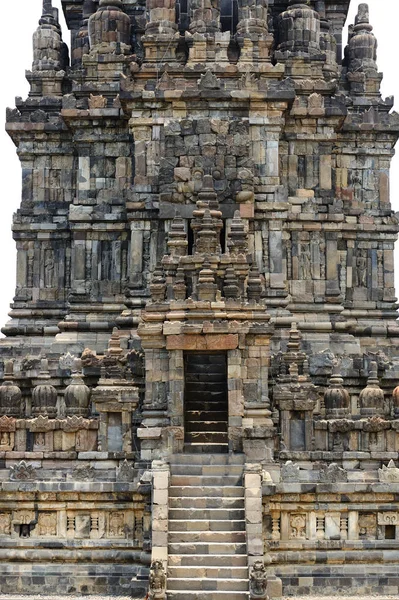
(336,398)
(44,400)
(299,29)
(10,399)
(110,25)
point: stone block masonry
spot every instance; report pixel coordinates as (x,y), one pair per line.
(199,378)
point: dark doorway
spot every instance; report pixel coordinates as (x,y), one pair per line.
(206,403)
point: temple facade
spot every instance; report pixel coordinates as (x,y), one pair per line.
(199,372)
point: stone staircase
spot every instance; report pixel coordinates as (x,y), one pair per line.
(207,538)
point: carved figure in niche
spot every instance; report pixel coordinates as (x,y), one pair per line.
(47,524)
(5,439)
(298,527)
(117,525)
(258,580)
(40,439)
(5,523)
(367,526)
(305,263)
(361,269)
(48,269)
(157,581)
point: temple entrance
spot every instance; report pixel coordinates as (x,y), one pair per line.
(206,402)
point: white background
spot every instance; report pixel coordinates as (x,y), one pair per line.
(16,57)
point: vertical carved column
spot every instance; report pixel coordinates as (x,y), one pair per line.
(252,31)
(161,35)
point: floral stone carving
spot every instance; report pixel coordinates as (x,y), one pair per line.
(389,474)
(22,471)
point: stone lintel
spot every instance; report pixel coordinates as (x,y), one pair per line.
(202,342)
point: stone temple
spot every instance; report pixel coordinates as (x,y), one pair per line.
(199,373)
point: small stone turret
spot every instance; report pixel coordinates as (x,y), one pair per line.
(109,28)
(363,44)
(47,43)
(81,42)
(205,17)
(299,30)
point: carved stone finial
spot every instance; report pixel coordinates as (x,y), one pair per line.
(180,288)
(177,239)
(47,7)
(363,14)
(231,288)
(254,285)
(237,241)
(158,285)
(207,287)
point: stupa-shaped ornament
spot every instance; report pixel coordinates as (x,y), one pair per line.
(44,395)
(109,28)
(299,30)
(11,402)
(77,394)
(371,398)
(47,43)
(363,44)
(336,397)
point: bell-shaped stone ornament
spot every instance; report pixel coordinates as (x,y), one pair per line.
(77,394)
(109,27)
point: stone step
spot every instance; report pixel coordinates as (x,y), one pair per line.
(202,595)
(200,401)
(205,415)
(205,525)
(207,470)
(206,584)
(206,425)
(207,537)
(211,572)
(212,437)
(206,502)
(209,491)
(203,560)
(206,480)
(207,548)
(214,375)
(208,459)
(216,515)
(202,448)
